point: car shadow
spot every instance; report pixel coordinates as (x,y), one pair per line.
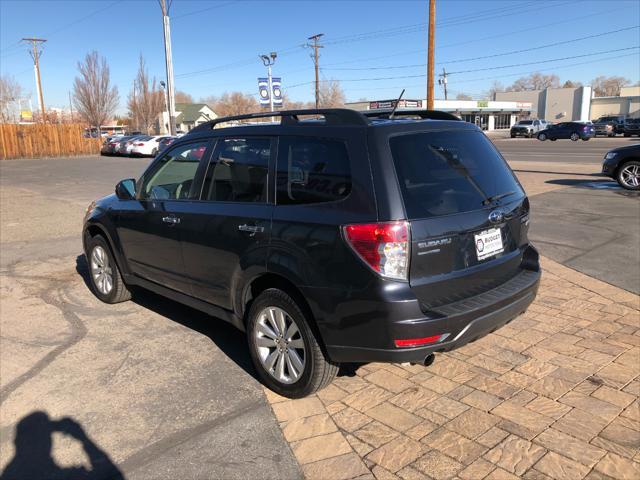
(227,338)
(33,447)
(601,184)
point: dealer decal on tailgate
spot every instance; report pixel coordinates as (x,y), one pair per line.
(489,243)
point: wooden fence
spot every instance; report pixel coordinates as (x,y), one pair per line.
(56,140)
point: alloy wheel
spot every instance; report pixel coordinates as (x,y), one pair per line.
(279,345)
(630,176)
(101,271)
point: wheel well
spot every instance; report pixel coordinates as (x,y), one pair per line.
(272,280)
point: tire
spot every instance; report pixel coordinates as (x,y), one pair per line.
(542,137)
(513,136)
(628,175)
(103,270)
(627,135)
(585,139)
(575,137)
(154,152)
(268,311)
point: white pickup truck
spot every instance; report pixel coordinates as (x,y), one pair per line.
(528,128)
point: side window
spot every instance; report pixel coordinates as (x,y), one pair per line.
(312,170)
(238,171)
(536,123)
(172,175)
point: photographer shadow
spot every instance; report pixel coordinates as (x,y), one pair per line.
(33,444)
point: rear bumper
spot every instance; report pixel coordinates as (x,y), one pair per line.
(461,322)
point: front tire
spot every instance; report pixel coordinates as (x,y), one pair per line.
(574,137)
(104,275)
(629,175)
(284,348)
(542,137)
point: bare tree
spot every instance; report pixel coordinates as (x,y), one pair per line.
(463,96)
(571,84)
(94,96)
(234,103)
(145,101)
(535,81)
(331,94)
(608,86)
(10,92)
(495,87)
(183,97)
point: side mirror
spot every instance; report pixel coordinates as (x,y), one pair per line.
(126,189)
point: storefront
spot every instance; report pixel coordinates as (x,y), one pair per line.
(488,115)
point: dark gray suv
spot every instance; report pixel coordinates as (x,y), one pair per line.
(332,236)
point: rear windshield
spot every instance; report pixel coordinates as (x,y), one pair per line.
(525,122)
(448,172)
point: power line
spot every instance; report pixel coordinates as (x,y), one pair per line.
(492,68)
(476,40)
(512,52)
(175,17)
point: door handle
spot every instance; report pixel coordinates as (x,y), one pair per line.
(171,220)
(253,229)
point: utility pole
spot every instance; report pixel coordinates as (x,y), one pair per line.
(166,102)
(70,107)
(315,47)
(430,53)
(35,54)
(443,81)
(269,60)
(171,92)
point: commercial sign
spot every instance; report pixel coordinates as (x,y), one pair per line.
(483,103)
(26,115)
(392,103)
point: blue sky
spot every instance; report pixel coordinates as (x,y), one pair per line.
(375,48)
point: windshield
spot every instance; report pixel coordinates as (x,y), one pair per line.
(525,122)
(443,173)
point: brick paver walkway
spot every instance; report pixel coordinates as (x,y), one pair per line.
(553,394)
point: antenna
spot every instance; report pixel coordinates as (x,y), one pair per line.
(396,105)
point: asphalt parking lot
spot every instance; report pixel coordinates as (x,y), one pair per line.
(151,389)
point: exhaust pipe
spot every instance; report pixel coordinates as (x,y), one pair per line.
(429,359)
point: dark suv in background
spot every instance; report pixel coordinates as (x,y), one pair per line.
(609,125)
(631,127)
(344,237)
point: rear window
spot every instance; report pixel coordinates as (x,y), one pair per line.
(525,122)
(443,173)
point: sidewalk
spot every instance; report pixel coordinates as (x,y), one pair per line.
(553,394)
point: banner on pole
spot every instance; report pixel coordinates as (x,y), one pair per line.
(263,90)
(276,83)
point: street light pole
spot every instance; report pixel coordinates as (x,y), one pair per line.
(269,60)
(169,65)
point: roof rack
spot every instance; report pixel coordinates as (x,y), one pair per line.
(333,116)
(424,114)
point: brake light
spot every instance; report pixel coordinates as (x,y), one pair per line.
(416,342)
(382,246)
(139,144)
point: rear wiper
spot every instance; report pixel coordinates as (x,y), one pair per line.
(495,198)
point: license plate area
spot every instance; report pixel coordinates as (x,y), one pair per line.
(488,243)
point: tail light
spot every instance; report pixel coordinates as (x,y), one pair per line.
(382,246)
(139,144)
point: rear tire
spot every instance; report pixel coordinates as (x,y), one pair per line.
(542,137)
(628,175)
(284,349)
(104,275)
(575,137)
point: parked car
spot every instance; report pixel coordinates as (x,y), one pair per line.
(631,127)
(528,128)
(126,145)
(609,125)
(623,164)
(109,145)
(378,238)
(573,130)
(147,146)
